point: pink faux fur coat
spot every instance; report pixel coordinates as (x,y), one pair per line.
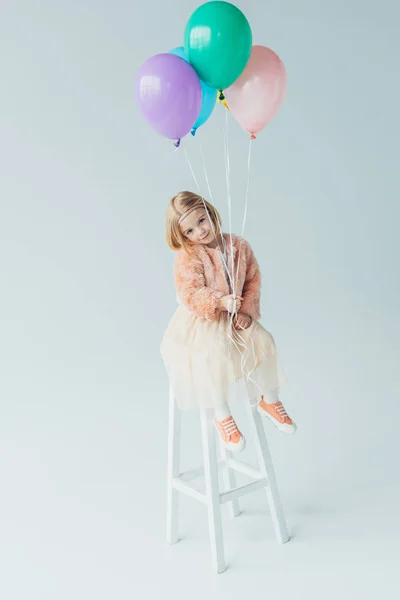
(200,278)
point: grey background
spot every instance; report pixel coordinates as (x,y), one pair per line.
(86,292)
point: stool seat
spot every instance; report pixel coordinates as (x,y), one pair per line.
(181,482)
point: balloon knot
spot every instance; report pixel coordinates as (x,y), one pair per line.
(193,131)
(177,143)
(252,137)
(224,102)
(221,96)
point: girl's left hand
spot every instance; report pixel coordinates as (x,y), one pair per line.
(242,321)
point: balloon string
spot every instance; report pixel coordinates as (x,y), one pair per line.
(233,284)
(231,332)
(222,253)
(191,170)
(237,340)
(241,341)
(244,358)
(230,327)
(245,204)
(228,190)
(219,222)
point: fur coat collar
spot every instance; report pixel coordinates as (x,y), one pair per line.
(201,277)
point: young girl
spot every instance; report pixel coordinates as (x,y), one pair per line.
(214,339)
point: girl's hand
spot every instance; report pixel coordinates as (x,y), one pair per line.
(242,321)
(227,303)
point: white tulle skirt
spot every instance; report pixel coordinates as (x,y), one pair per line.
(206,359)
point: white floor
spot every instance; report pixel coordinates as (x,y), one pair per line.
(82,516)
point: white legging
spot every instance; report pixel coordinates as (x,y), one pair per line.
(223,412)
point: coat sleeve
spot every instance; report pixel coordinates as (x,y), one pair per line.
(192,290)
(252,285)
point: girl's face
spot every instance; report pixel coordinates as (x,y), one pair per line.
(196,227)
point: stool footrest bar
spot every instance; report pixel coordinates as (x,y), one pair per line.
(244,468)
(244,489)
(232,463)
(189,489)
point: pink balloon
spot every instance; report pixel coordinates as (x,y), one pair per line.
(255,98)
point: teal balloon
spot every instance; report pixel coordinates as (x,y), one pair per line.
(218,43)
(208,95)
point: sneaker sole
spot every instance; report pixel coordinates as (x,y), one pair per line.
(280,426)
(229,446)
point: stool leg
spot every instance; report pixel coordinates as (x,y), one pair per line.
(229,476)
(212,491)
(266,466)
(173,469)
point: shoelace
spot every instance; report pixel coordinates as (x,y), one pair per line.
(229,426)
(281,411)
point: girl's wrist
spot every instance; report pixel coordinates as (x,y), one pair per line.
(221,304)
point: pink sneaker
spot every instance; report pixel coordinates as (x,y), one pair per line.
(278,415)
(231,437)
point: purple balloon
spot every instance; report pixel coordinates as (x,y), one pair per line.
(168,93)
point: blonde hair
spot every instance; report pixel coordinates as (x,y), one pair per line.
(177,207)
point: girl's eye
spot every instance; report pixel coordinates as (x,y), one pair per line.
(189,232)
(201,220)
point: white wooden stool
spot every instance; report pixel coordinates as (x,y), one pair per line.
(264,477)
